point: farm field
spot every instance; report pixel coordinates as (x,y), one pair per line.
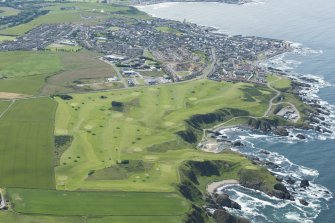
(10,216)
(77,67)
(64,203)
(143,132)
(26,135)
(48,73)
(87,13)
(24,72)
(6,217)
(3,106)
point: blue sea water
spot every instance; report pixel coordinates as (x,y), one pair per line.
(310,23)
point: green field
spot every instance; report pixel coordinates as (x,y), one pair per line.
(65,203)
(145,130)
(49,72)
(279,82)
(4,38)
(26,63)
(166,29)
(64,48)
(24,71)
(7,11)
(9,216)
(86,13)
(77,67)
(26,135)
(3,105)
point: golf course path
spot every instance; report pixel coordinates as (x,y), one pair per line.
(215,185)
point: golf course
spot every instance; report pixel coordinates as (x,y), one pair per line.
(78,147)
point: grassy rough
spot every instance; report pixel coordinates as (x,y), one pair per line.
(26,136)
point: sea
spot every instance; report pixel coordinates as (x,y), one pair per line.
(310,26)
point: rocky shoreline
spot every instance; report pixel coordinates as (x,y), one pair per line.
(317,118)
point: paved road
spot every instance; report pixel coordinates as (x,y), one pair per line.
(123,80)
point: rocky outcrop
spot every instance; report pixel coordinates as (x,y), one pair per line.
(223,200)
(290,180)
(281,131)
(301,136)
(223,216)
(304,183)
(280,191)
(238,143)
(264,125)
(303,202)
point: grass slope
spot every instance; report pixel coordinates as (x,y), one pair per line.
(145,130)
(64,203)
(26,148)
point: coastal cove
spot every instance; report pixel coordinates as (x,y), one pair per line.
(310,24)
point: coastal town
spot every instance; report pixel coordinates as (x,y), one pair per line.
(158,51)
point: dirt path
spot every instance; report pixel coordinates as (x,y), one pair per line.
(215,185)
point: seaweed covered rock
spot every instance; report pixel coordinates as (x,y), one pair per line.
(223,216)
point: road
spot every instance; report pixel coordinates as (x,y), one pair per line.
(121,78)
(209,69)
